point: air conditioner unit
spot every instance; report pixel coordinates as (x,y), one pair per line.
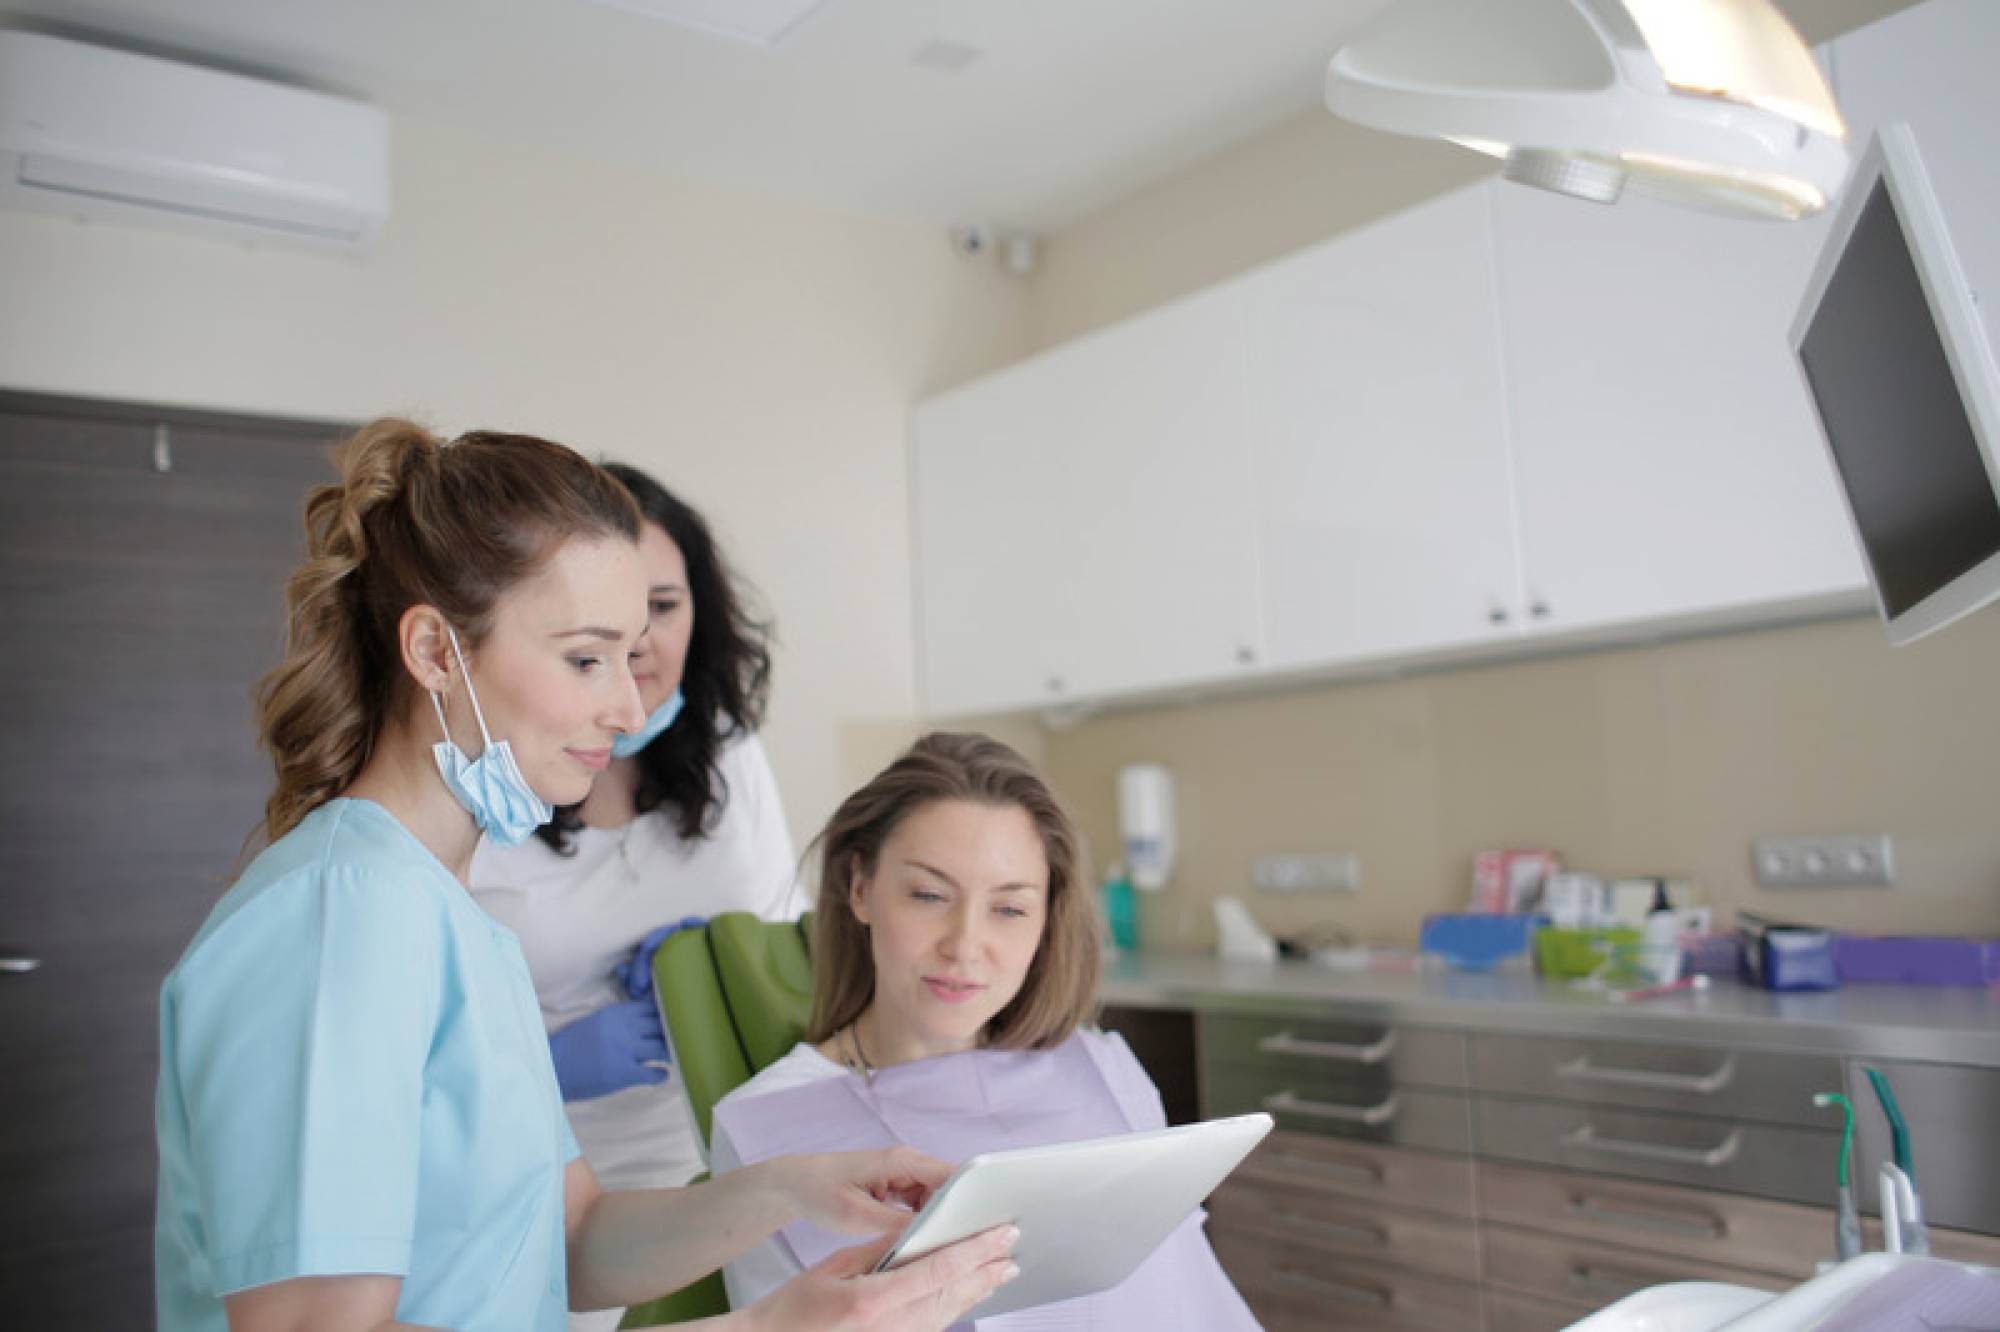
(93,132)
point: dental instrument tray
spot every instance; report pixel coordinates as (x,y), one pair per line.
(1089,1212)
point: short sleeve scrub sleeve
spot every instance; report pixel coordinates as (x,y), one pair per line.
(354,1080)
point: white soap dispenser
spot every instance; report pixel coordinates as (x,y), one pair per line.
(1146,824)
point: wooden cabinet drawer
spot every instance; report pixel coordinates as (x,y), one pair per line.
(1954,1118)
(1767,1160)
(1293,1286)
(1507,1311)
(1590,1276)
(1768,1085)
(1782,1238)
(1368,1171)
(1343,1227)
(1368,1051)
(1309,1101)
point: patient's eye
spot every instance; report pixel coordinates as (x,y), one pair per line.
(1012,912)
(926,895)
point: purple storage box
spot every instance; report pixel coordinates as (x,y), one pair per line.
(1893,960)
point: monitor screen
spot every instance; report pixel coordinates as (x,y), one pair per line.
(1903,436)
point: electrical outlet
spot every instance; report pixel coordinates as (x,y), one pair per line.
(1334,872)
(1825,862)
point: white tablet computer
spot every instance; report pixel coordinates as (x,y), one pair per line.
(1090,1212)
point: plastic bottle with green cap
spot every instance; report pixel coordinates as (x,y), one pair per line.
(1121,909)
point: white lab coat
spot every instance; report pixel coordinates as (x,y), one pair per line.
(580,915)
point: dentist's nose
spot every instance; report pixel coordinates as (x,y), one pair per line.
(629,714)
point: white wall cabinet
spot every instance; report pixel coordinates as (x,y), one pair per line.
(1584,423)
(1378,427)
(1667,459)
(1084,522)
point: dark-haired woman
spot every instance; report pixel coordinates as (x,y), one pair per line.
(685,822)
(357,1120)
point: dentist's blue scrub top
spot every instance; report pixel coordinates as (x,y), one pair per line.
(354,1079)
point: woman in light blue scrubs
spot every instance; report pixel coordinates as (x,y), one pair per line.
(358,1122)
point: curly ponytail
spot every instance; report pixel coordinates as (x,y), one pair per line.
(413,520)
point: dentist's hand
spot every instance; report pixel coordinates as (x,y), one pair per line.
(857,1193)
(636,972)
(610,1050)
(842,1294)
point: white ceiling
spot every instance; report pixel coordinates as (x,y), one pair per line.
(1068,105)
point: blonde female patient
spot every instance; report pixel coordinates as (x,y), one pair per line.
(955,956)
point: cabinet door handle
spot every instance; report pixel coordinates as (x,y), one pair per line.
(19,964)
(1580,1069)
(1374,1237)
(1371,1297)
(1498,615)
(1694,1227)
(1608,1282)
(1708,1158)
(1284,1043)
(1286,1103)
(1288,1163)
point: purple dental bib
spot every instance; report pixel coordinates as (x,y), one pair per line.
(956,1106)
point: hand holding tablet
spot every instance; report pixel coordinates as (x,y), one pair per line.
(1089,1212)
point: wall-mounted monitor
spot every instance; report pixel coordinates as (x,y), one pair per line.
(1898,362)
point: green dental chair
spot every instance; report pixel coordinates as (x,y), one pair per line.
(736,995)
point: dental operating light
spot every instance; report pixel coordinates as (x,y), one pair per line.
(1712,103)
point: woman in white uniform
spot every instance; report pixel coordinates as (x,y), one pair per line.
(686,823)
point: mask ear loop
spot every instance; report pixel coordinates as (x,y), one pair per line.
(485,736)
(438,708)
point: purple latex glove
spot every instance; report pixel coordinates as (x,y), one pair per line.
(636,972)
(612,1049)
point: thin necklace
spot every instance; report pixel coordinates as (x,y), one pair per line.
(859,1063)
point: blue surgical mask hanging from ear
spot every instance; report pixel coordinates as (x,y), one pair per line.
(625,746)
(491,786)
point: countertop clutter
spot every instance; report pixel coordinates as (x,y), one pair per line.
(1932,1024)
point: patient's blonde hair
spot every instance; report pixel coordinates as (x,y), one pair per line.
(1060,990)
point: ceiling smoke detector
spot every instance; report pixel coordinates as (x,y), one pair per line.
(1713,103)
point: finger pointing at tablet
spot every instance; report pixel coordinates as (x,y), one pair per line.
(859,1193)
(927,1295)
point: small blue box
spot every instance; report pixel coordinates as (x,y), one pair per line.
(1787,957)
(1477,941)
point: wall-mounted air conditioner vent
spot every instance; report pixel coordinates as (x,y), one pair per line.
(93,132)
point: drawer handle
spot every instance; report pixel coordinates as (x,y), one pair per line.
(1695,1227)
(1284,1043)
(1608,1282)
(1373,1236)
(1358,1174)
(1368,1296)
(1286,1103)
(1585,1138)
(1580,1069)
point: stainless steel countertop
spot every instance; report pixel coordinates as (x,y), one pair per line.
(1934,1024)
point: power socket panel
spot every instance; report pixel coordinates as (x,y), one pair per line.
(1324,872)
(1851,861)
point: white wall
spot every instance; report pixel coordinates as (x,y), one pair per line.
(759,357)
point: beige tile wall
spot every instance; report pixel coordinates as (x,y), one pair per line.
(1665,759)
